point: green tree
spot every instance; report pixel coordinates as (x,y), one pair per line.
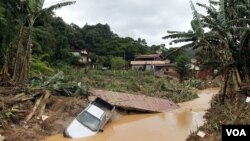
(183,66)
(117,63)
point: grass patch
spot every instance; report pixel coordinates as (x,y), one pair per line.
(136,82)
(234,111)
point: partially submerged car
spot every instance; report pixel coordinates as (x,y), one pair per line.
(91,120)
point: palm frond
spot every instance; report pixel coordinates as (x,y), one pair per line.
(189,45)
(222,13)
(179,35)
(196,22)
(243,39)
(237,21)
(59,5)
(239,28)
(214,25)
(173,32)
(183,40)
(211,11)
(241,7)
(215,35)
(35,5)
(214,2)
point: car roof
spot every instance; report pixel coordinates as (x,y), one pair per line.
(95,111)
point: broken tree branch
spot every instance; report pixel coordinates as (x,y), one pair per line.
(38,101)
(46,96)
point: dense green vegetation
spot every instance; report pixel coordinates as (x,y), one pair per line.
(136,82)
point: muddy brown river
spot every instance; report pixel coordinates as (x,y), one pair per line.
(172,126)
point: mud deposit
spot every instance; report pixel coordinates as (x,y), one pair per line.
(60,111)
(172,126)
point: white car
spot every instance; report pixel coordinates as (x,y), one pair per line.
(91,120)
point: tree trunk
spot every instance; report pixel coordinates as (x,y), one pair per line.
(4,71)
(247,59)
(225,87)
(235,80)
(23,57)
(5,74)
(18,60)
(29,55)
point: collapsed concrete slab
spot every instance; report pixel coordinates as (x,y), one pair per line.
(134,102)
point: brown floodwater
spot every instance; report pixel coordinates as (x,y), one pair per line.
(172,126)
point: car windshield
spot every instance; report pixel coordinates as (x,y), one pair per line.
(89,120)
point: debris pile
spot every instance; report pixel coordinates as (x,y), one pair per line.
(41,108)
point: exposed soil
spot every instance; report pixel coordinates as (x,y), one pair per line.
(59,109)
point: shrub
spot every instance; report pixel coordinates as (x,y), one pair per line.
(39,67)
(183,66)
(117,63)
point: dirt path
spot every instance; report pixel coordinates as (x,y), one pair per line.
(175,125)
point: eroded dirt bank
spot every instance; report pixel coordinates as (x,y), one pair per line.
(175,125)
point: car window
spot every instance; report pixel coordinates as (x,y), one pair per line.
(89,120)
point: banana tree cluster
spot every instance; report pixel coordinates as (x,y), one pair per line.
(29,11)
(223,33)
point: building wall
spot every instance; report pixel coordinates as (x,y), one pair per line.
(149,68)
(143,67)
(170,69)
(137,67)
(83,59)
(76,53)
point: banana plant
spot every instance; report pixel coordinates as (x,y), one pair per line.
(32,10)
(227,36)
